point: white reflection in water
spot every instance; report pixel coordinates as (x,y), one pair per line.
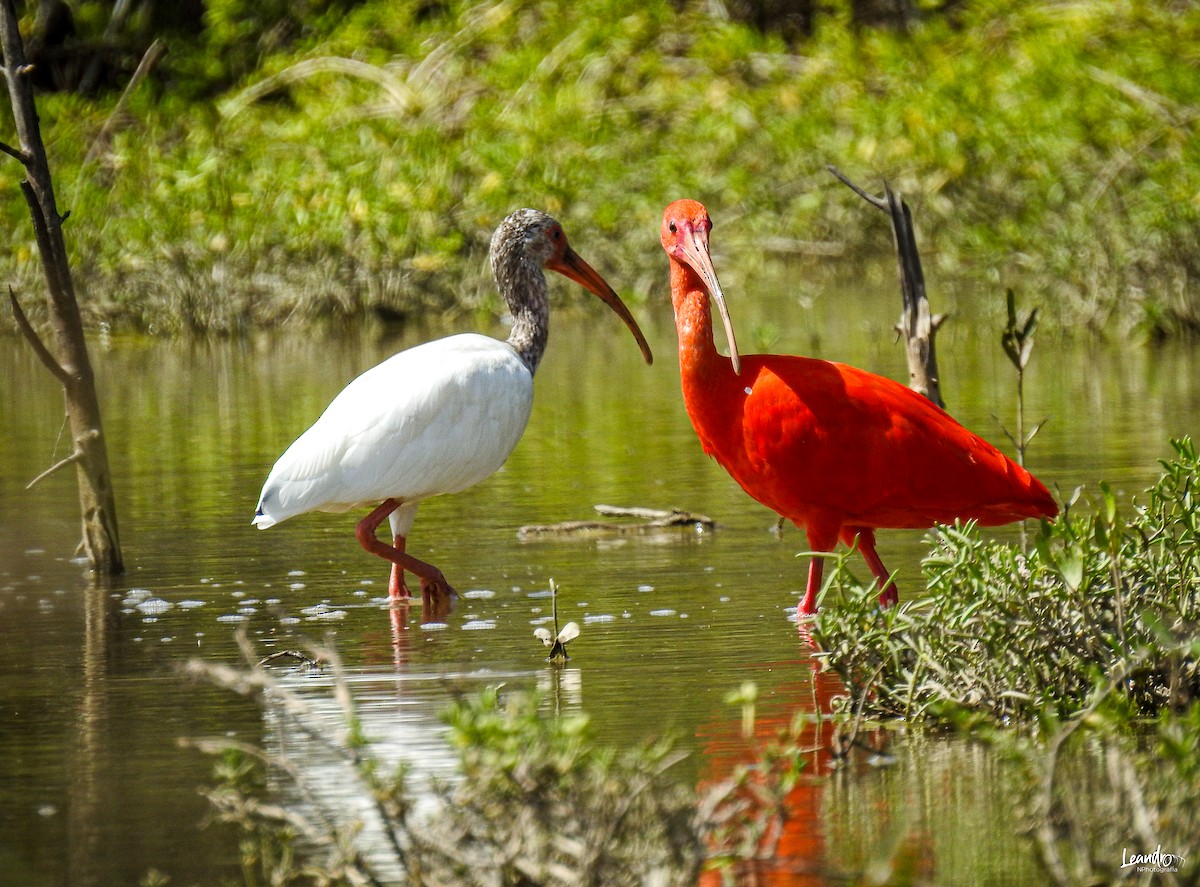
(400,717)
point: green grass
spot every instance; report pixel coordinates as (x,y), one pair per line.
(362,168)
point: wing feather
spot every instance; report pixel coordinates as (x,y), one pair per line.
(433,419)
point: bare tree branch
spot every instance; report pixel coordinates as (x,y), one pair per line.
(39,347)
(917,322)
(79,454)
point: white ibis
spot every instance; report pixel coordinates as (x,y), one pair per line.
(437,418)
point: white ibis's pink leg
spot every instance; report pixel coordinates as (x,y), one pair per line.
(889,595)
(397,588)
(433,583)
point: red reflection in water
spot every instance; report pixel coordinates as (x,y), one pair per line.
(802,855)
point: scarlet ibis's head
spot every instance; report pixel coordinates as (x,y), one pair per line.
(685,228)
(532,234)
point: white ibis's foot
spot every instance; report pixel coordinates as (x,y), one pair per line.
(437,587)
(398,591)
(437,599)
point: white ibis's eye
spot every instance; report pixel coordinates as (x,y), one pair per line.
(671,227)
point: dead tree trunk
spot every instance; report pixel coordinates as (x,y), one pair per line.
(68,360)
(917,323)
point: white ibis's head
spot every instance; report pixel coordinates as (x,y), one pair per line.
(685,228)
(530,235)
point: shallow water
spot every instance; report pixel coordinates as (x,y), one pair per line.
(94,788)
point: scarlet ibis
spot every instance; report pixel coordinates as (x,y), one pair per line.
(837,450)
(437,418)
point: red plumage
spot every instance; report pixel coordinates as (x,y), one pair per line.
(837,450)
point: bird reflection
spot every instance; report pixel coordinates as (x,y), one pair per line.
(797,852)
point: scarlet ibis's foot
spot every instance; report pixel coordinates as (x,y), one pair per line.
(890,596)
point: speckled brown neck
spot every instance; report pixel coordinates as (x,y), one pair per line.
(522,283)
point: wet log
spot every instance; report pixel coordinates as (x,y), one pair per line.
(650,520)
(918,324)
(68,359)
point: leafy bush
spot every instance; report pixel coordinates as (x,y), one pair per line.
(1008,635)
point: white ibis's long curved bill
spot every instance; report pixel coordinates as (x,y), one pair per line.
(693,249)
(574,268)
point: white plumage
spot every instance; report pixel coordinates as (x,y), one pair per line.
(434,419)
(437,418)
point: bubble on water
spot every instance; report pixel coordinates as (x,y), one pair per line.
(190,604)
(598,617)
(296,586)
(541,620)
(434,626)
(537,594)
(136,595)
(645,588)
(153,606)
(289,620)
(477,594)
(479,624)
(296,573)
(665,612)
(247,611)
(231,617)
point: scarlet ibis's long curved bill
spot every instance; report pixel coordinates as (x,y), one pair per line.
(574,268)
(692,247)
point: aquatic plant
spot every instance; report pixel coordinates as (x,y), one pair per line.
(536,799)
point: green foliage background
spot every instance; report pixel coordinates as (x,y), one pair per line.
(346,158)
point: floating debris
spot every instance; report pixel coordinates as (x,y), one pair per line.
(651,521)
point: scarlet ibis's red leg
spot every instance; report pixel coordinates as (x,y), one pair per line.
(889,595)
(433,583)
(816,568)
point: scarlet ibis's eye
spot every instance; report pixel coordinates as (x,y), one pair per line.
(671,227)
